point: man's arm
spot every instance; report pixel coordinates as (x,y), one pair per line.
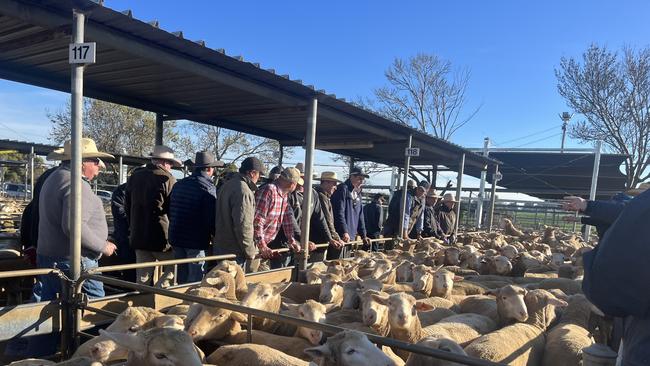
(89,239)
(604,211)
(242,206)
(338,208)
(262,205)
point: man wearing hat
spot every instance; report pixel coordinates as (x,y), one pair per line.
(430,224)
(147,206)
(348,210)
(235,213)
(414,211)
(273,216)
(54,214)
(374,217)
(446,216)
(192,216)
(327,186)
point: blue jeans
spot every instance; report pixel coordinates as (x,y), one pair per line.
(284,260)
(49,286)
(189,272)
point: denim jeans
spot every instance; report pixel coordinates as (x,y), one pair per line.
(49,286)
(189,272)
(284,260)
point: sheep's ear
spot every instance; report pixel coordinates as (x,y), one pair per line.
(280,288)
(381,299)
(192,313)
(458,278)
(318,352)
(212,281)
(132,342)
(557,302)
(290,307)
(422,306)
(329,307)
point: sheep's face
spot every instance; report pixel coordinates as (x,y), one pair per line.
(169,321)
(452,256)
(511,304)
(264,296)
(228,266)
(382,266)
(105,350)
(330,290)
(557,259)
(421,277)
(350,348)
(372,312)
(163,351)
(336,269)
(401,310)
(370,284)
(208,322)
(509,251)
(350,295)
(404,272)
(443,282)
(315,312)
(502,265)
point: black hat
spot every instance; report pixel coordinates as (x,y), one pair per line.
(424,184)
(252,163)
(276,170)
(357,171)
(205,159)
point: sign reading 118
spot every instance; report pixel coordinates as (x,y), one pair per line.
(81,53)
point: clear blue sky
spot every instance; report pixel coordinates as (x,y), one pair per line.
(511,47)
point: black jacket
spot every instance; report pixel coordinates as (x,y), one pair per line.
(373,215)
(192,212)
(431,227)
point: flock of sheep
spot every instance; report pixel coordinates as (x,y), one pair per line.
(508,297)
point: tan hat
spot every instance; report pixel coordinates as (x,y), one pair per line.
(449,197)
(165,153)
(638,190)
(88,150)
(432,194)
(292,175)
(331,176)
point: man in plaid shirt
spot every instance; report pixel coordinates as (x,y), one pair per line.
(272,214)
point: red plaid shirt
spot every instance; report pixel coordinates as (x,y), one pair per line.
(271,212)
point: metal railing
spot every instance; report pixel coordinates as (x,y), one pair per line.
(251,312)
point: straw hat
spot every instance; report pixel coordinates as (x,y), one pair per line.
(88,150)
(165,153)
(329,176)
(638,190)
(432,194)
(449,197)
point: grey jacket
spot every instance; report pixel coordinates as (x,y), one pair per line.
(54,214)
(235,211)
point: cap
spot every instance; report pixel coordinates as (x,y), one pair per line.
(424,184)
(252,163)
(292,175)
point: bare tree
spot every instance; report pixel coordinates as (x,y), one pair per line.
(227,144)
(425,92)
(367,166)
(612,93)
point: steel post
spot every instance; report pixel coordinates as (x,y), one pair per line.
(31,172)
(402,205)
(459,189)
(120,174)
(594,180)
(75,164)
(26,181)
(310,143)
(160,128)
(481,192)
(393,182)
(493,198)
(281,155)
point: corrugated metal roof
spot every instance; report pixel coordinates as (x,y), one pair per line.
(143,66)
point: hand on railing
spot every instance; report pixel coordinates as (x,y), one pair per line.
(109,249)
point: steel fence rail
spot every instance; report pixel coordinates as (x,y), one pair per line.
(251,312)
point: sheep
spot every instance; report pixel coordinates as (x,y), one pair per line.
(223,281)
(253,354)
(206,322)
(465,288)
(262,296)
(452,256)
(565,341)
(331,291)
(439,302)
(157,347)
(350,295)
(509,251)
(292,346)
(433,316)
(461,328)
(471,260)
(350,348)
(312,311)
(569,287)
(236,272)
(300,292)
(520,343)
(133,316)
(375,314)
(404,271)
(508,306)
(442,344)
(510,229)
(32,362)
(312,276)
(84,361)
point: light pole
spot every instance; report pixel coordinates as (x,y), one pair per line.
(565,117)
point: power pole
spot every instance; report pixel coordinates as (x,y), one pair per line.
(565,117)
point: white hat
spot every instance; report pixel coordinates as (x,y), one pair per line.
(88,150)
(165,153)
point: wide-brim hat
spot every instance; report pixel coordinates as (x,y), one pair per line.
(329,176)
(638,190)
(449,197)
(88,150)
(163,152)
(358,171)
(433,194)
(205,159)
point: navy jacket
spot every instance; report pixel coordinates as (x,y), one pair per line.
(391,227)
(348,213)
(373,216)
(617,275)
(602,214)
(192,212)
(120,220)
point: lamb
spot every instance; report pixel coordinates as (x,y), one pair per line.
(206,322)
(404,271)
(439,302)
(331,291)
(509,251)
(565,341)
(312,311)
(157,347)
(253,354)
(375,314)
(442,344)
(350,348)
(508,306)
(521,343)
(133,316)
(223,281)
(434,316)
(262,296)
(452,256)
(510,229)
(236,272)
(461,328)
(300,292)
(292,346)
(465,288)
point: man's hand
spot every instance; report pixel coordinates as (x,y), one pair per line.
(346,237)
(109,249)
(294,246)
(312,246)
(366,241)
(571,219)
(573,203)
(335,243)
(265,252)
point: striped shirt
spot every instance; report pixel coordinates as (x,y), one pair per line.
(271,213)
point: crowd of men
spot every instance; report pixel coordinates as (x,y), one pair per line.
(242,212)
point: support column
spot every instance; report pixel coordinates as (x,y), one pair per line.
(26,180)
(281,155)
(481,192)
(310,143)
(493,198)
(594,181)
(120,174)
(434,175)
(459,189)
(394,178)
(402,205)
(351,165)
(31,172)
(160,128)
